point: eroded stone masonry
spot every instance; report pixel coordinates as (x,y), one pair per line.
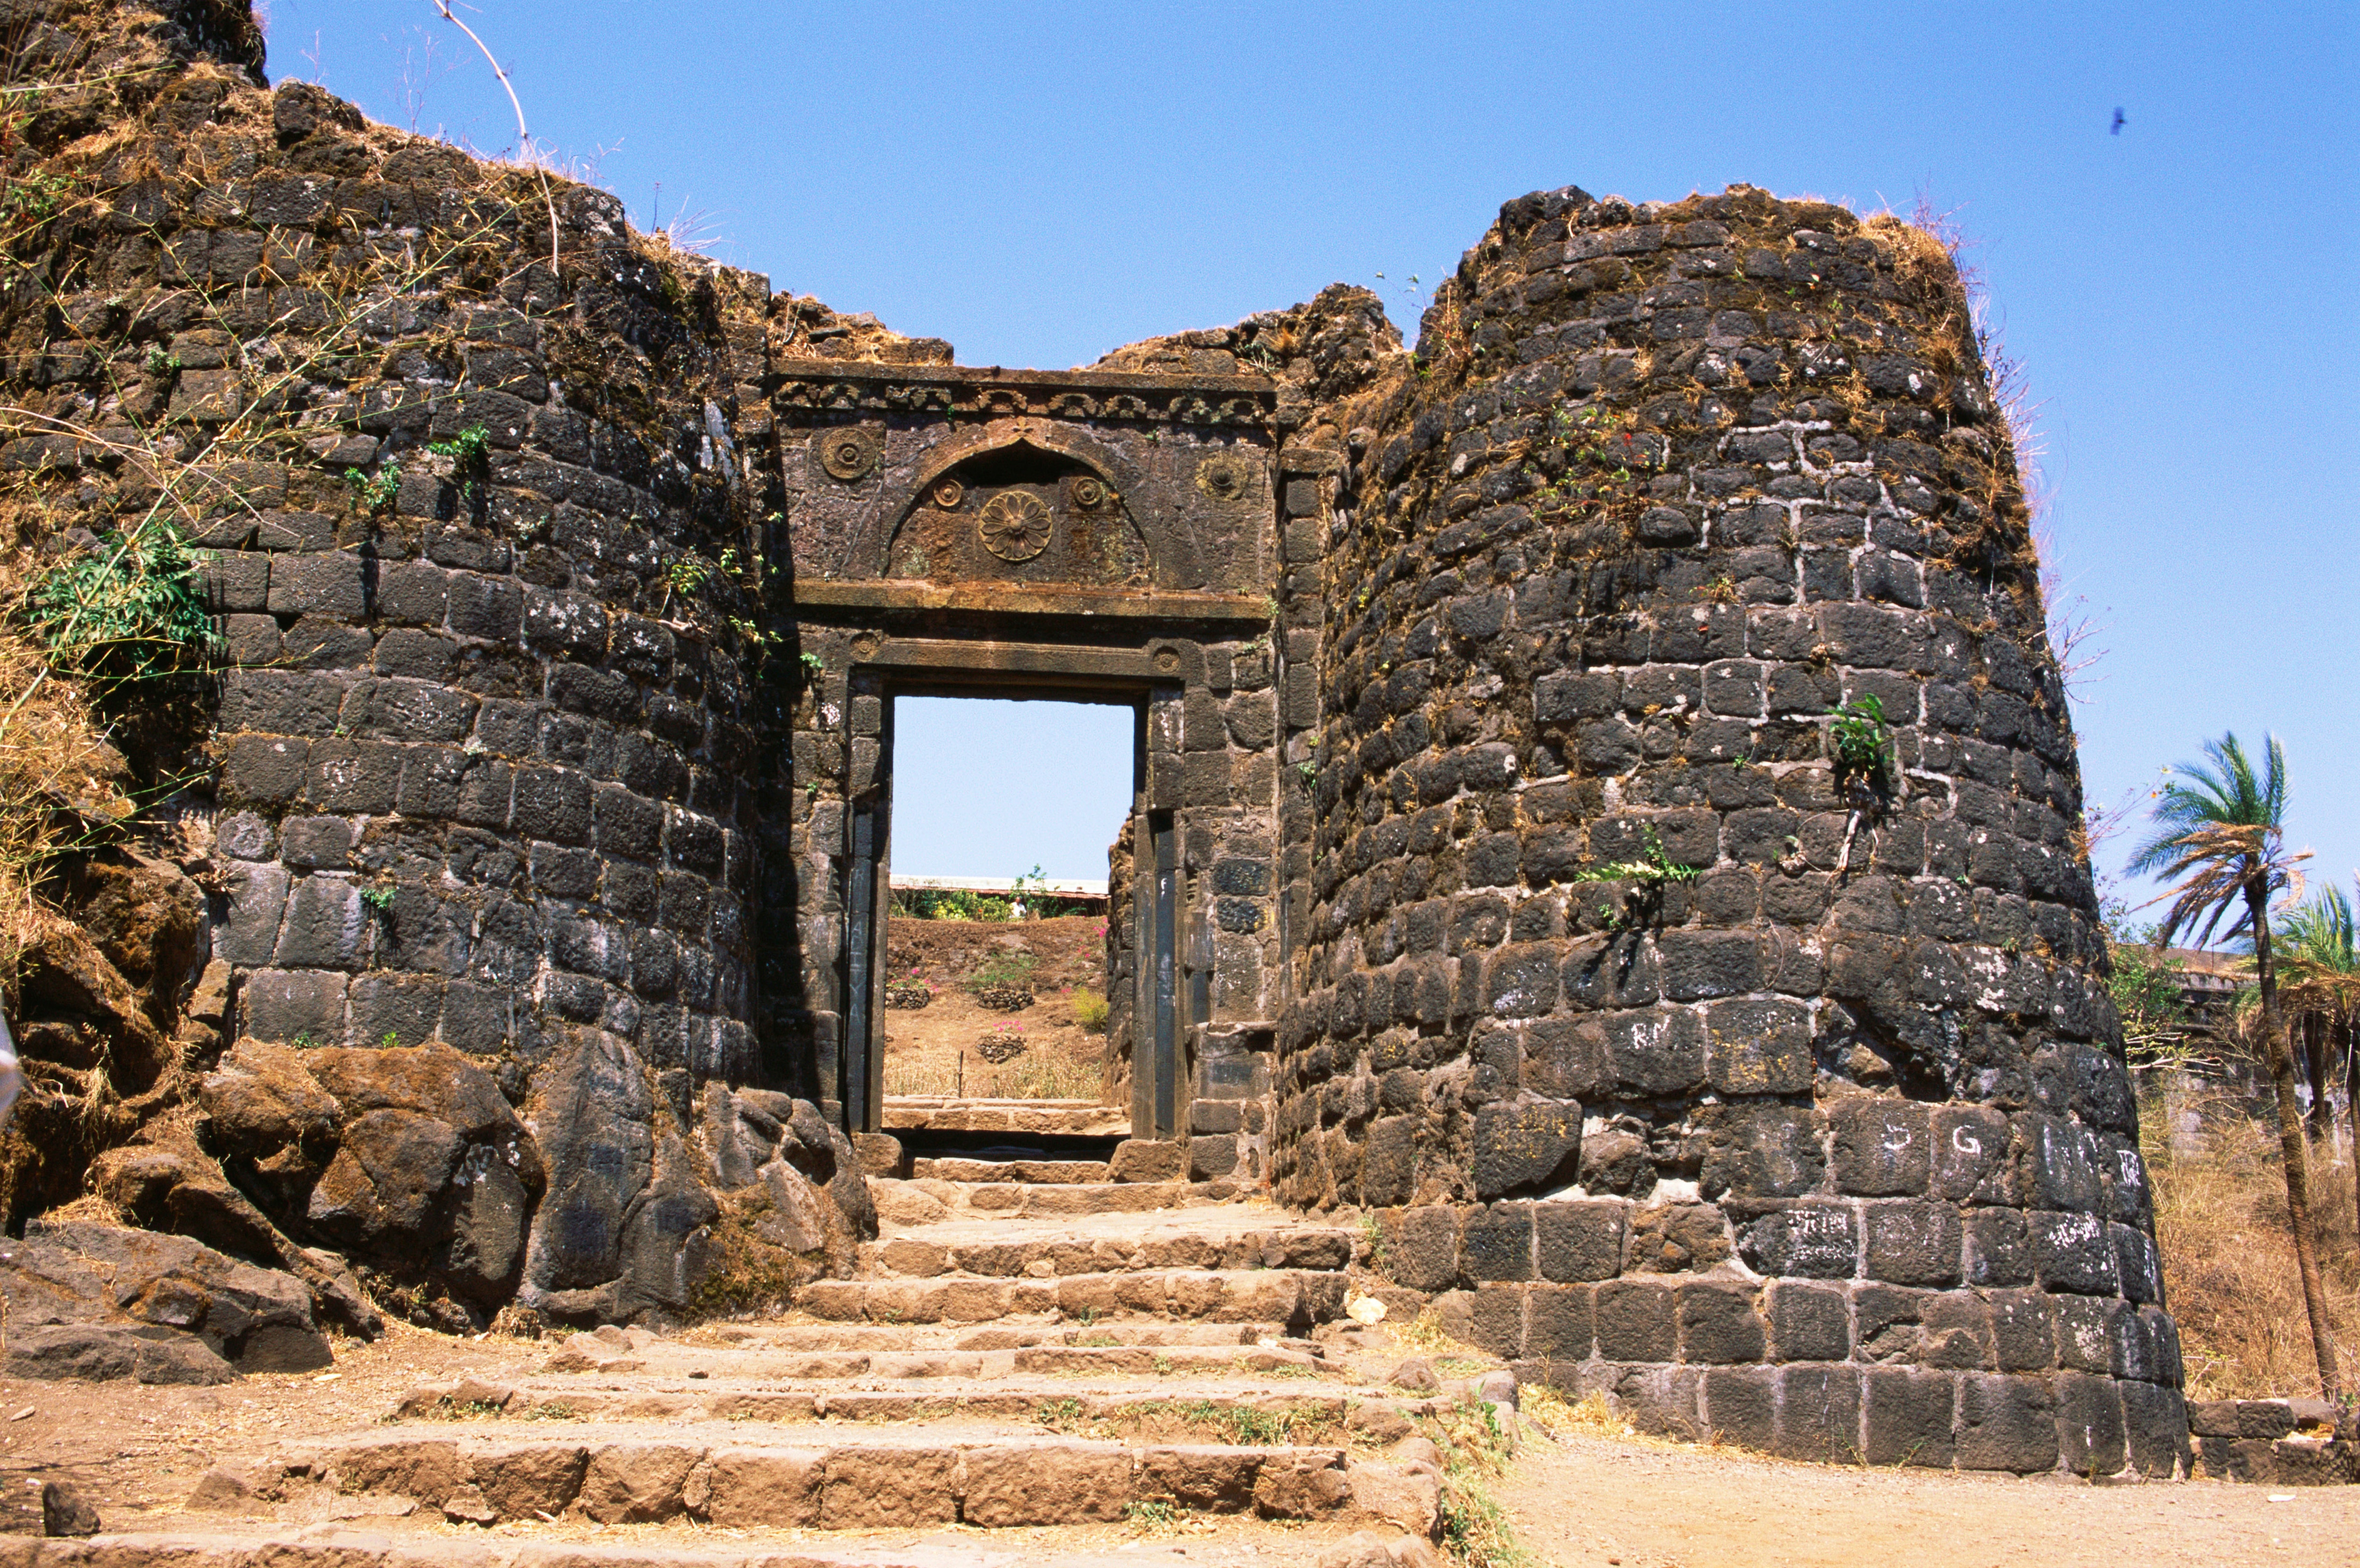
(1497,867)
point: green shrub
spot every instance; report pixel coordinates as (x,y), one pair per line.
(1003,969)
(1089,1011)
(129,610)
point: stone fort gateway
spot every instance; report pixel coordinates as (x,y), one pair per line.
(1605,809)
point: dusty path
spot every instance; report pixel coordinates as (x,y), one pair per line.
(1587,1502)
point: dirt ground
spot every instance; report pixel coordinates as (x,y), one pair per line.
(1585,1502)
(924,1045)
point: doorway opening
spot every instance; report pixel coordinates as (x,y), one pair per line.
(1001,956)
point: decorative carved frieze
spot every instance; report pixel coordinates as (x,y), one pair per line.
(832,385)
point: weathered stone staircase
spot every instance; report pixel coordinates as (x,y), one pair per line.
(1036,1362)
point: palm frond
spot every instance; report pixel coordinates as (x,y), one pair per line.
(2220,829)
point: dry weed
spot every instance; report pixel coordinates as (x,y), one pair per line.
(1593,1415)
(58,775)
(2228,1263)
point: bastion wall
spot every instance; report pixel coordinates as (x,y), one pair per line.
(1778,1103)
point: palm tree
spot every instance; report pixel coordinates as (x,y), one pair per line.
(2220,837)
(2321,967)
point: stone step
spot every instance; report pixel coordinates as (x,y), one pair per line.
(415,1543)
(1090,1360)
(1079,1351)
(1217,1399)
(1060,1118)
(1296,1298)
(915,1201)
(912,1337)
(893,1479)
(944,1167)
(988,1250)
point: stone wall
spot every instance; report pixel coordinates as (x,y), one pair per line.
(480,524)
(1778,1105)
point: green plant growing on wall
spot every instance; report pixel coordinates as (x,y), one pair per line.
(471,448)
(1862,741)
(129,612)
(374,493)
(1647,876)
(471,454)
(1866,778)
(1655,867)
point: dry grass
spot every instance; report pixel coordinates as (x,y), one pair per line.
(56,773)
(1593,1415)
(2228,1263)
(1036,1075)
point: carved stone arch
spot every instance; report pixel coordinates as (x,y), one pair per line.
(1167,551)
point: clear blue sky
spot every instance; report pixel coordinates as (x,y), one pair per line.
(990,788)
(1042,182)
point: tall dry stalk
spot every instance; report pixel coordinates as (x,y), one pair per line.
(2229,1269)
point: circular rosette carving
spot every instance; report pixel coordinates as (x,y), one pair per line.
(1089,492)
(948,494)
(1225,476)
(847,452)
(1014,525)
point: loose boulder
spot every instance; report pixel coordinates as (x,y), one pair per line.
(99,1302)
(406,1159)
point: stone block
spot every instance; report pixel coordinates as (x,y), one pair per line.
(1707,963)
(2091,1434)
(1529,1146)
(1045,1483)
(2072,1252)
(1653,1052)
(1907,1417)
(292,1005)
(1579,1241)
(1560,1323)
(1302,1484)
(1201,1478)
(1998,1248)
(1636,1321)
(1758,1047)
(637,1482)
(1408,1499)
(1489,1317)
(1741,1406)
(765,1488)
(1676,1238)
(1719,1325)
(1818,1414)
(522,1481)
(1883,1145)
(1756,1150)
(1210,1158)
(2006,1423)
(1422,1247)
(1808,1322)
(2156,1424)
(889,1488)
(1912,1242)
(361,776)
(1815,1241)
(1496,1243)
(263,770)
